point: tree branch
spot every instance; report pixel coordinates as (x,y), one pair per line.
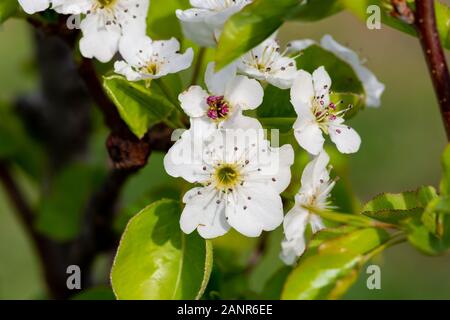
(425,22)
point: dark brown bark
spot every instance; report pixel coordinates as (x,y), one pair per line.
(425,22)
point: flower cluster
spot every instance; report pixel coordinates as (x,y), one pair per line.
(238,174)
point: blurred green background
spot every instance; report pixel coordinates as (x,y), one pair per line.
(402,143)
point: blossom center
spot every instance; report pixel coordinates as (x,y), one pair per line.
(227,176)
(152,68)
(218,108)
(106,3)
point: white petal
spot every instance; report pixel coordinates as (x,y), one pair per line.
(254,208)
(322,85)
(33,6)
(193,101)
(294,226)
(71,7)
(195,27)
(316,172)
(283,177)
(284,71)
(101,44)
(292,249)
(372,87)
(180,62)
(316,223)
(347,140)
(309,136)
(239,121)
(135,49)
(295,222)
(184,158)
(246,93)
(217,81)
(300,45)
(121,67)
(204,213)
(302,92)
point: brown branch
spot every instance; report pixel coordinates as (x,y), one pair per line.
(52,255)
(17,198)
(425,22)
(128,155)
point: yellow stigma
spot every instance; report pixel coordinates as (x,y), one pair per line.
(227,176)
(106,3)
(151,68)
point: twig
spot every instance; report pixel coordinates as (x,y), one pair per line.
(425,22)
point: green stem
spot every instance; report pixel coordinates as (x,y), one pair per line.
(198,66)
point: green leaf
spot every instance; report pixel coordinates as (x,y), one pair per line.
(162,22)
(314,10)
(394,208)
(156,260)
(60,211)
(251,26)
(140,107)
(434,215)
(333,268)
(425,241)
(7,9)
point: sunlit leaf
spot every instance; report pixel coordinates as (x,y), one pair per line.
(156,260)
(140,107)
(329,272)
(251,26)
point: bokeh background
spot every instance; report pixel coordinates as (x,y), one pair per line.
(402,143)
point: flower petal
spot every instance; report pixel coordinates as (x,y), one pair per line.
(309,136)
(322,85)
(239,121)
(294,226)
(123,68)
(193,101)
(316,172)
(347,140)
(33,6)
(254,208)
(196,28)
(302,92)
(101,44)
(300,45)
(202,212)
(246,93)
(217,81)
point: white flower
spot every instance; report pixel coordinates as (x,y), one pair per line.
(310,96)
(373,88)
(222,105)
(314,193)
(146,59)
(240,179)
(105,23)
(204,23)
(267,63)
(33,6)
